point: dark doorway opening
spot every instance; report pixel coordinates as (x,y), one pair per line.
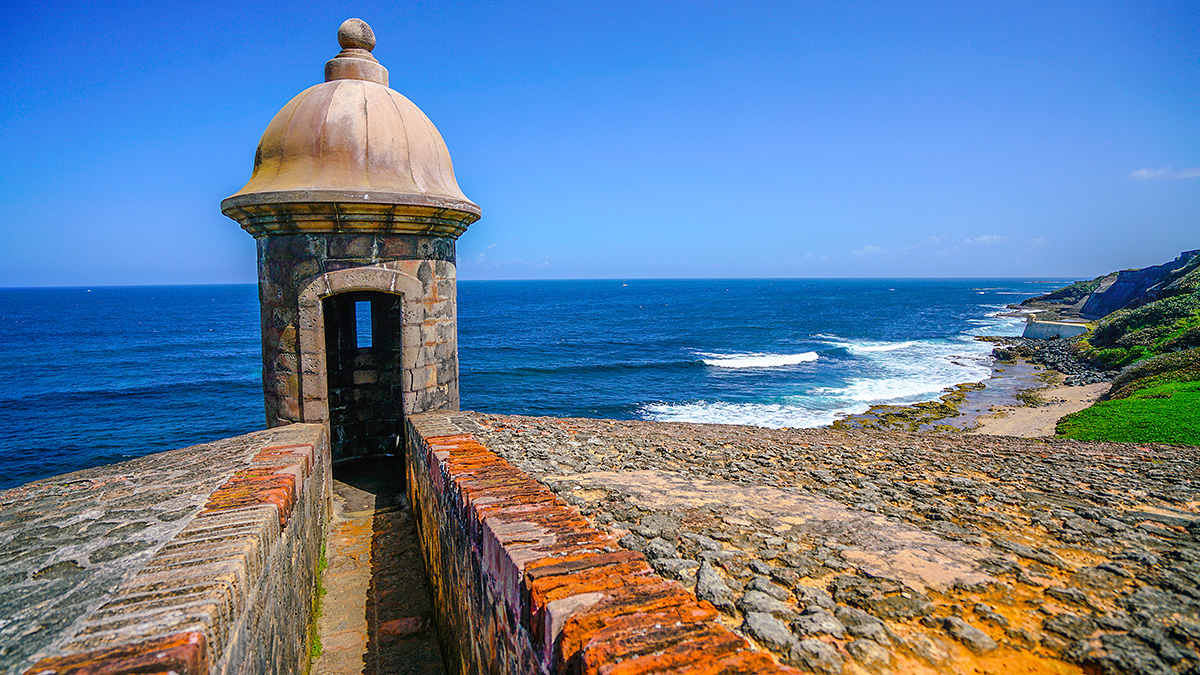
(365,376)
(377,607)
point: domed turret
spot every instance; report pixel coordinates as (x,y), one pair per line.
(355,211)
(352,141)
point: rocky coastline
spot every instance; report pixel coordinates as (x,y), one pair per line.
(1055,354)
(1012,386)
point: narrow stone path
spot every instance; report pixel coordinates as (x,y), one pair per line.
(376,616)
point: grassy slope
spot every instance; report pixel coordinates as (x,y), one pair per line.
(1157,395)
(1167,413)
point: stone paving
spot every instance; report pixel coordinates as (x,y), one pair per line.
(855,551)
(376,617)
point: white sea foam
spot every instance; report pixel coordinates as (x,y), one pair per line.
(757,360)
(904,389)
(883,347)
(918,373)
(1000,322)
(770,415)
(877,371)
(864,346)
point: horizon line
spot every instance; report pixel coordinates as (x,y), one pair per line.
(1031,279)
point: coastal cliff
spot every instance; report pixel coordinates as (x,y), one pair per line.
(1124,289)
(1147,341)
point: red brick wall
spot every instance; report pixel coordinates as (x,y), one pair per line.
(523,583)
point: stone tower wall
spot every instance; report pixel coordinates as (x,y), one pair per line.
(297,271)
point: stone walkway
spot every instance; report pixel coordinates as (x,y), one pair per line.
(376,616)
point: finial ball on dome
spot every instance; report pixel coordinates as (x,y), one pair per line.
(356,34)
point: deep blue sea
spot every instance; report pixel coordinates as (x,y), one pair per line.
(98,375)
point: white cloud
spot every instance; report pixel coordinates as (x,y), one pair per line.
(931,240)
(981,240)
(985,240)
(1037,241)
(869,250)
(1165,172)
(481,257)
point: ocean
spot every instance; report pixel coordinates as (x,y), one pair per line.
(98,375)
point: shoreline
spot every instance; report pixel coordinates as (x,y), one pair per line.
(1021,399)
(1040,421)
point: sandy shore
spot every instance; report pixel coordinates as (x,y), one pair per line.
(1035,422)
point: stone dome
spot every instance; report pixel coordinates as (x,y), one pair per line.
(351,140)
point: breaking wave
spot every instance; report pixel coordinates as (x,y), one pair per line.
(757,360)
(770,415)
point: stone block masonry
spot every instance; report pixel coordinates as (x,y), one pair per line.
(198,560)
(297,271)
(523,583)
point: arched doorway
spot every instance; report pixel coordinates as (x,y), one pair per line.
(365,374)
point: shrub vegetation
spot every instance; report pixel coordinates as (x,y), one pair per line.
(1156,396)
(1181,366)
(1068,295)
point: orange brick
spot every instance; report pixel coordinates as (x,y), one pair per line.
(555,566)
(632,600)
(569,541)
(643,637)
(594,578)
(707,650)
(183,653)
(293,453)
(250,487)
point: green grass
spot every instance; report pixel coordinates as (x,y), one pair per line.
(1165,413)
(315,648)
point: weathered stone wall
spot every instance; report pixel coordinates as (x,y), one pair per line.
(297,271)
(523,584)
(1121,289)
(1044,330)
(199,560)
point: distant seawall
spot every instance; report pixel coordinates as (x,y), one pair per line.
(1044,330)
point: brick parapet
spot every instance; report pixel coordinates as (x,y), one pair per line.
(227,590)
(523,584)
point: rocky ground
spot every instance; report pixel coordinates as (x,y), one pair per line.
(859,551)
(1054,355)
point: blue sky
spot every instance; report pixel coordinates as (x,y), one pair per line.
(629,139)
